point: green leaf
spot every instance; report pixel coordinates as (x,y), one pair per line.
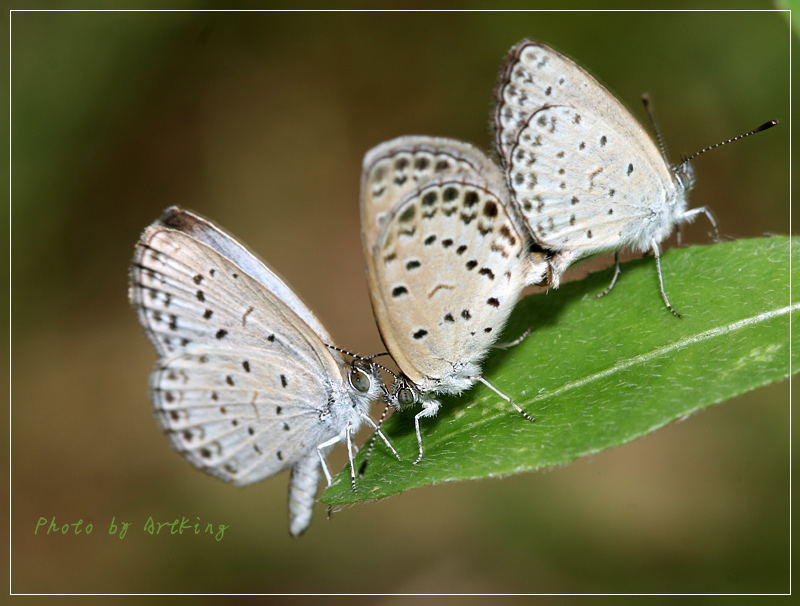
(598,373)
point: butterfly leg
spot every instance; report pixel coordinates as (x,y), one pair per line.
(373,439)
(351,452)
(382,436)
(324,445)
(429,409)
(661,280)
(516,341)
(614,279)
(506,398)
(689,216)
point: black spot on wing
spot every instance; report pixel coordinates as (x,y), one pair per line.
(408,214)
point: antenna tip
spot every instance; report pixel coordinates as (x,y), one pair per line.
(766,125)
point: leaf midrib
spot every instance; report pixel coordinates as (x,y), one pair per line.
(639,360)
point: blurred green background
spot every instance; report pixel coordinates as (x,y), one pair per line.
(259,121)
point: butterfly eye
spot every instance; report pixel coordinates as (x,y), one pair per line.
(685,173)
(405,396)
(360,380)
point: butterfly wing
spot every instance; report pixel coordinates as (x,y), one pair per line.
(212,236)
(241,375)
(581,169)
(245,385)
(446,260)
(536,76)
(395,168)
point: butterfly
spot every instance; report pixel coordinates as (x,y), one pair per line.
(248,382)
(447,259)
(581,171)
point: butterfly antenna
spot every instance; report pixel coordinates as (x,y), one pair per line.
(366,359)
(765,126)
(382,367)
(344,351)
(648,106)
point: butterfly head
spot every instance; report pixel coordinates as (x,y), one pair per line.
(684,174)
(402,394)
(364,377)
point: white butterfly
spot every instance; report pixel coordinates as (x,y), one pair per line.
(446,262)
(247,383)
(582,171)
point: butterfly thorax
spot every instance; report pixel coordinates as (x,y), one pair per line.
(463,375)
(406,393)
(667,212)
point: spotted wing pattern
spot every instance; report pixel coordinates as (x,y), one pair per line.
(245,385)
(581,169)
(446,262)
(396,168)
